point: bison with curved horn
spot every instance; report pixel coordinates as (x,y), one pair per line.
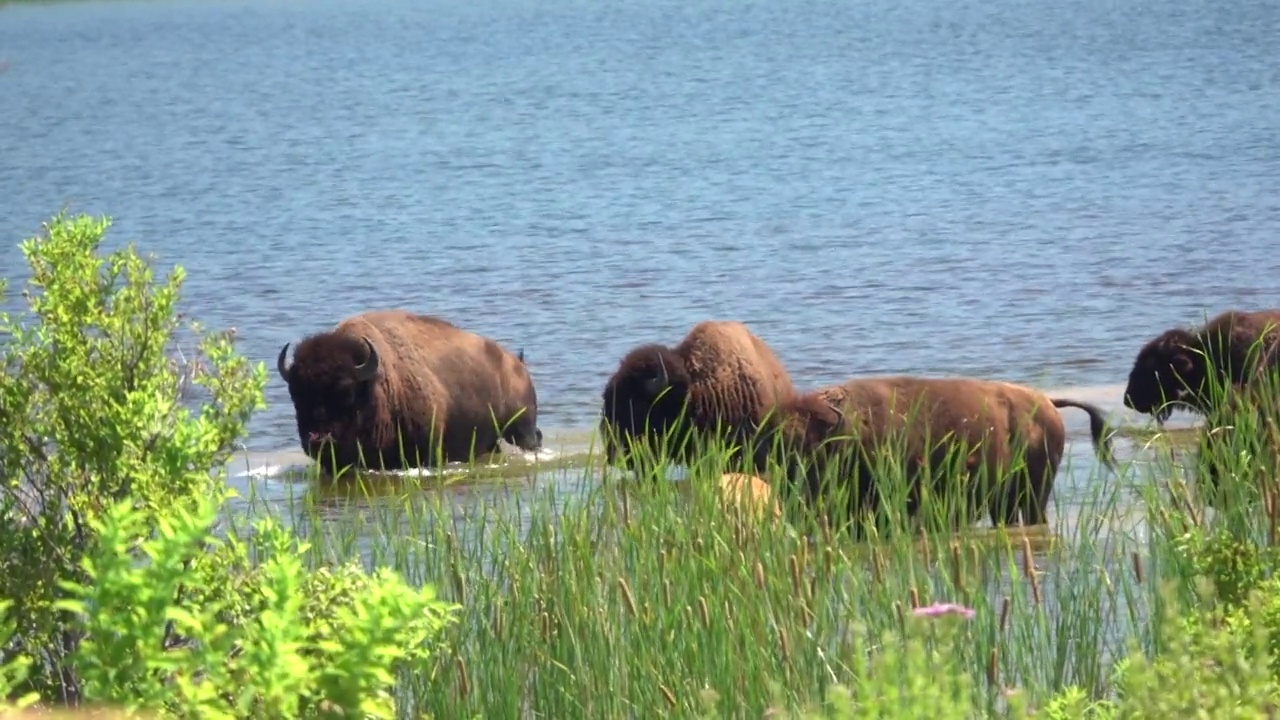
(390,389)
(1180,368)
(996,430)
(720,380)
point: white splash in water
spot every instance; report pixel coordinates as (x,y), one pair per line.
(271,471)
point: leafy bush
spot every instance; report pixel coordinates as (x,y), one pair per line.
(310,645)
(120,591)
(91,414)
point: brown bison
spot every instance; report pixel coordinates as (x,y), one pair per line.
(1241,435)
(720,380)
(919,424)
(1173,369)
(390,389)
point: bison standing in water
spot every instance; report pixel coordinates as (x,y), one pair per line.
(1173,369)
(390,389)
(721,380)
(1008,433)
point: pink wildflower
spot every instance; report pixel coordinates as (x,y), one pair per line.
(940,609)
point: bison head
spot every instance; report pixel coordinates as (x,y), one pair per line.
(800,427)
(331,384)
(798,441)
(1168,371)
(644,400)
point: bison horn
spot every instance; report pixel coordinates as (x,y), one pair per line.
(368,370)
(659,381)
(838,413)
(282,361)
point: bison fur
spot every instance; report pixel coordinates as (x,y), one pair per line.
(920,425)
(1180,369)
(720,381)
(390,389)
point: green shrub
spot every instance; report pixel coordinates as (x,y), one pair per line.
(310,644)
(119,590)
(90,414)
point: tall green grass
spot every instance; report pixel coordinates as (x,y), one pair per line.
(639,594)
(606,594)
(597,594)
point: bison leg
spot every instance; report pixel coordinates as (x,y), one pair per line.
(1006,495)
(1035,484)
(1034,504)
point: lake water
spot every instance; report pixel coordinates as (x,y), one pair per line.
(1014,190)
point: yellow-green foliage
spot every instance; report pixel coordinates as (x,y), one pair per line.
(117,591)
(309,645)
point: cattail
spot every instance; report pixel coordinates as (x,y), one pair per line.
(784,645)
(1029,569)
(1273,514)
(758,573)
(993,667)
(459,583)
(626,595)
(1191,513)
(957,569)
(797,581)
(1004,613)
(464,683)
(1137,567)
(915,598)
(704,613)
(670,697)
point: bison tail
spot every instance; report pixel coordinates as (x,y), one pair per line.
(1097,428)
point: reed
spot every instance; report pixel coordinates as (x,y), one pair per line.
(589,594)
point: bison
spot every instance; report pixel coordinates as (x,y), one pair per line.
(390,389)
(919,424)
(1173,370)
(720,380)
(1241,435)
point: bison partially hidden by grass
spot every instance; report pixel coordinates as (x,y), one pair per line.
(720,381)
(390,389)
(1240,437)
(853,437)
(1187,369)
